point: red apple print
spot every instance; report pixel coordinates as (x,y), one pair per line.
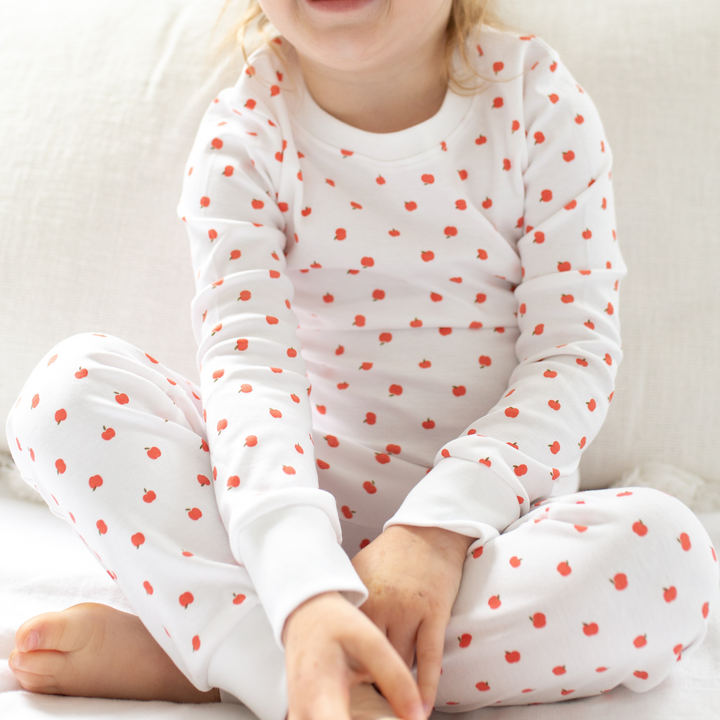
(121,398)
(153,453)
(640,528)
(590,628)
(512,657)
(241,344)
(370,418)
(395,390)
(507,165)
(186,598)
(555,448)
(214,473)
(498,102)
(539,329)
(194,513)
(494,602)
(567,298)
(669,594)
(546,196)
(641,674)
(640,641)
(481,686)
(538,620)
(393,232)
(485,461)
(463,174)
(568,156)
(515,561)
(539,138)
(52,360)
(444,330)
(342,386)
(559,670)
(564,568)
(424,363)
(620,581)
(233,482)
(587,234)
(299,449)
(204,201)
(81,373)
(95,482)
(427,255)
(203,480)
(238,598)
(482,254)
(150,495)
(275,413)
(288,469)
(553,67)
(60,415)
(217,144)
(554,404)
(480,140)
(107,434)
(410,206)
(428,424)
(148,587)
(137,539)
(579,119)
(379,295)
(346,153)
(369,487)
(487,204)
(550,374)
(684,541)
(497,67)
(323,465)
(520,470)
(458,390)
(609,309)
(512,412)
(196,638)
(382,458)
(380,180)
(355,206)
(60,466)
(580,528)
(229,169)
(347,512)
(101,526)
(553,98)
(705,609)
(566,692)
(427,179)
(328,298)
(582,361)
(477,552)
(222,425)
(564,266)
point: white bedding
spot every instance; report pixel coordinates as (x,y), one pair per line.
(44,566)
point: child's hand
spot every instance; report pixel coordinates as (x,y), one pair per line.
(330,646)
(413,575)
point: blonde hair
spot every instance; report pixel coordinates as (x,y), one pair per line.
(467,17)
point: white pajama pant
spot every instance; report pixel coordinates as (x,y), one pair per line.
(587,591)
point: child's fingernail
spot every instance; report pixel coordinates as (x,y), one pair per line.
(428,709)
(31,641)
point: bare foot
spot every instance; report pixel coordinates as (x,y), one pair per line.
(366,703)
(93,650)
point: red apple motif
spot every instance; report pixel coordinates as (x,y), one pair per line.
(591,404)
(60,415)
(555,448)
(186,598)
(369,487)
(424,363)
(554,404)
(60,466)
(194,513)
(669,593)
(564,266)
(121,398)
(458,390)
(520,470)
(380,180)
(566,692)
(107,434)
(512,657)
(619,581)
(427,179)
(288,469)
(641,674)
(148,587)
(559,670)
(480,140)
(640,641)
(203,480)
(705,609)
(564,568)
(494,602)
(428,424)
(465,639)
(101,526)
(546,196)
(515,561)
(587,234)
(484,361)
(204,201)
(416,323)
(482,686)
(347,512)
(590,629)
(393,232)
(233,482)
(477,552)
(410,206)
(153,453)
(684,541)
(81,373)
(238,598)
(512,412)
(382,458)
(331,440)
(137,539)
(538,620)
(640,528)
(95,482)
(150,495)
(222,425)
(370,418)
(359,321)
(395,390)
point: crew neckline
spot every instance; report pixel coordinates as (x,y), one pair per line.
(423,137)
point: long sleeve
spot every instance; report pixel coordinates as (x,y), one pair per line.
(281,526)
(568,348)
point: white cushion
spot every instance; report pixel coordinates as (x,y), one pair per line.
(100,104)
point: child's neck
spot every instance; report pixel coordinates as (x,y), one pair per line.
(379,100)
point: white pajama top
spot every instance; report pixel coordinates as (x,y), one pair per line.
(419,327)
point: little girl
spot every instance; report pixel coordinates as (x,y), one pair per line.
(407,318)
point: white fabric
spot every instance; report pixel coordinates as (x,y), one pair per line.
(51,569)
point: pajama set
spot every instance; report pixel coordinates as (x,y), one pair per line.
(420,328)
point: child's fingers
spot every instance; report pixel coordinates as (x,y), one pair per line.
(430,644)
(403,640)
(389,672)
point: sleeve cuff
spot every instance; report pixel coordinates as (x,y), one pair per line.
(459,495)
(293,554)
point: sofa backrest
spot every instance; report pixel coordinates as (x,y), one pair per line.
(100,104)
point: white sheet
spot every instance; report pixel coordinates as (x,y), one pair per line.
(44,566)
